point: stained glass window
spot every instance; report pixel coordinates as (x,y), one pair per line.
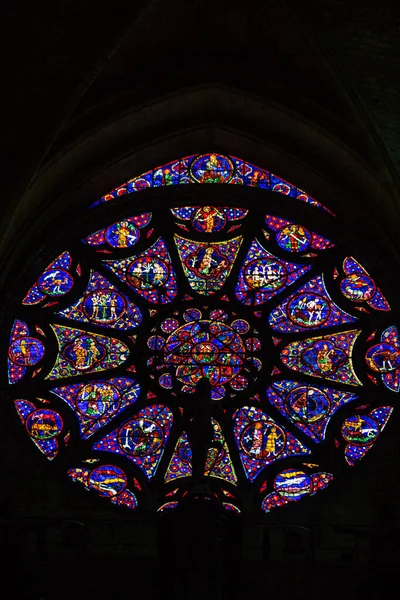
(184,340)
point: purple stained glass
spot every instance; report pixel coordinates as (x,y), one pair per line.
(141,439)
(263,275)
(295,238)
(358,286)
(96,403)
(309,406)
(328,357)
(83,352)
(261,440)
(309,308)
(54,282)
(203,348)
(150,274)
(24,351)
(211,168)
(104,305)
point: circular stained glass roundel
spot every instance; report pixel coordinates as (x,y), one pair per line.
(210,342)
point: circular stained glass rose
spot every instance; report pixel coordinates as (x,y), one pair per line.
(186,341)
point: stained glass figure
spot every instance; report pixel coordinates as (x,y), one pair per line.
(359,286)
(43,426)
(362,431)
(261,440)
(150,274)
(310,407)
(192,317)
(122,234)
(209,219)
(142,439)
(328,357)
(384,358)
(292,485)
(24,351)
(108,481)
(263,275)
(295,238)
(207,266)
(218,460)
(53,283)
(310,307)
(102,304)
(180,464)
(96,403)
(210,168)
(84,352)
(207,348)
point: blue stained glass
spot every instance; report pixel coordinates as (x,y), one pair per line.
(309,407)
(109,481)
(211,168)
(261,441)
(104,305)
(150,274)
(24,351)
(328,357)
(309,308)
(43,426)
(263,275)
(292,485)
(362,431)
(84,352)
(54,282)
(359,287)
(96,403)
(384,358)
(142,439)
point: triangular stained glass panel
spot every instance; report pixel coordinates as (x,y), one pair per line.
(142,439)
(96,403)
(328,357)
(84,352)
(180,464)
(263,275)
(149,274)
(309,407)
(261,441)
(55,281)
(309,308)
(218,461)
(207,266)
(102,304)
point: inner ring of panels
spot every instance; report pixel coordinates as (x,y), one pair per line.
(290,330)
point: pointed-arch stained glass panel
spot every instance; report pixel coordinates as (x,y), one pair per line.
(150,274)
(141,439)
(261,440)
(102,304)
(263,275)
(204,342)
(327,357)
(310,307)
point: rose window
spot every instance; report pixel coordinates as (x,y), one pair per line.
(225,338)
